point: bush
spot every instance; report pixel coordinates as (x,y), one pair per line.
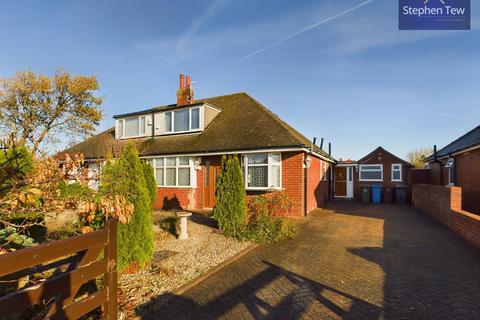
(266,221)
(266,228)
(74,190)
(125,177)
(230,210)
(150,181)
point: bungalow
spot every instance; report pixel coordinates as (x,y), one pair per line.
(458,164)
(377,167)
(184,143)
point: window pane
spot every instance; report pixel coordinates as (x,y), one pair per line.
(275,176)
(170,177)
(258,176)
(258,158)
(170,162)
(195,118)
(371,175)
(150,162)
(183,161)
(167,122)
(142,125)
(159,177)
(181,121)
(131,127)
(374,168)
(396,175)
(275,158)
(159,162)
(184,176)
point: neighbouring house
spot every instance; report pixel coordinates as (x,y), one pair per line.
(377,167)
(458,164)
(184,143)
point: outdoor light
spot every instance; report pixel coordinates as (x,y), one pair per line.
(308,162)
(197,163)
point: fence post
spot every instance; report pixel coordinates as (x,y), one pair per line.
(110,308)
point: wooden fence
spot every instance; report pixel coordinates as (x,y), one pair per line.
(59,291)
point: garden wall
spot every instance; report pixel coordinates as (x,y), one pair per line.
(444,204)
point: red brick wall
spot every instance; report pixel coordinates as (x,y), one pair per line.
(292,180)
(174,198)
(317,190)
(467,170)
(387,161)
(444,204)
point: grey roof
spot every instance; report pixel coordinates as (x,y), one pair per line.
(468,140)
(243,124)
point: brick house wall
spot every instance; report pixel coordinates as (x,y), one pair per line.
(292,184)
(467,176)
(292,181)
(387,160)
(444,204)
(467,170)
(317,190)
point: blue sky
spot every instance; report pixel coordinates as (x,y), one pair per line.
(357,80)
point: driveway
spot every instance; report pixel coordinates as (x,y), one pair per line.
(349,261)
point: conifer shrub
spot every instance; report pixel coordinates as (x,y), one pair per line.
(125,176)
(150,181)
(230,210)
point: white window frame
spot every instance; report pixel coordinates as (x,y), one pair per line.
(323,171)
(365,167)
(190,129)
(191,166)
(401,172)
(140,133)
(269,165)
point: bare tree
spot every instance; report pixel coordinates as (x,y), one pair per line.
(417,156)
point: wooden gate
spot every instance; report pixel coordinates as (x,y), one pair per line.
(75,262)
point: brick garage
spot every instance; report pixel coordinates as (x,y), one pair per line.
(386,159)
(444,204)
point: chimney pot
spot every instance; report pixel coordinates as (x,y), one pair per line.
(182,81)
(188,82)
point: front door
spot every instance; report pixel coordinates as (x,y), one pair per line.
(341,181)
(344,182)
(211,174)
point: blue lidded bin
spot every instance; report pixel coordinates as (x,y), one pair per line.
(376,193)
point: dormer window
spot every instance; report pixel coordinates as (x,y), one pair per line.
(183,120)
(132,127)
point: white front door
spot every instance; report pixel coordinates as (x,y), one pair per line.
(349,182)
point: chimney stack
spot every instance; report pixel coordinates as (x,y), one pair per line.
(185,92)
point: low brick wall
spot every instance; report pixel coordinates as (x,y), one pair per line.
(444,204)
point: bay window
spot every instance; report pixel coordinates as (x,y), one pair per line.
(173,171)
(371,172)
(262,170)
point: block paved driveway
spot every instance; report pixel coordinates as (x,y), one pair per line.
(349,261)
